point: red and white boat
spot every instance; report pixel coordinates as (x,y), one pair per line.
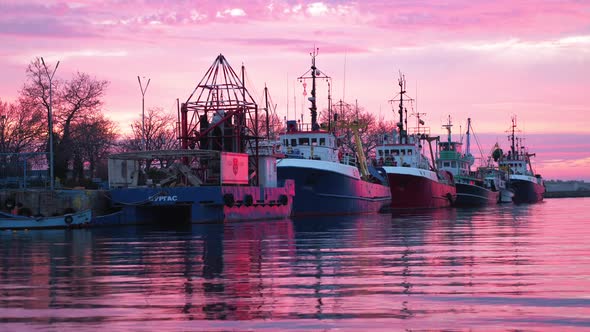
(414,181)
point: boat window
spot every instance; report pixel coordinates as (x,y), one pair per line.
(304,141)
(453,164)
(322,141)
(446,164)
(380,152)
(314,141)
(387,152)
(293,142)
(403,152)
(395,152)
(409,152)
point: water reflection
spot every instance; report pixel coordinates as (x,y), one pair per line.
(429,270)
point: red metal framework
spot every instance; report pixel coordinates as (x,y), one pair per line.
(219,100)
(217,113)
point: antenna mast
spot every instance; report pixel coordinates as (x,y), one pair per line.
(315,73)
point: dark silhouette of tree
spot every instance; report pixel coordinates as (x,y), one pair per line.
(74,101)
(22,128)
(160,133)
(371,129)
(93,139)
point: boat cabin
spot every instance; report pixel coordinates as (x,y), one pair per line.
(516,163)
(306,144)
(407,154)
(452,159)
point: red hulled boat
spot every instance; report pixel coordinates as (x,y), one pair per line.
(415,183)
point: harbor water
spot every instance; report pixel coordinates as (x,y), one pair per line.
(506,267)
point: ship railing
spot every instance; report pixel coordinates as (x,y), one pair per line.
(349,159)
(165,168)
(419,130)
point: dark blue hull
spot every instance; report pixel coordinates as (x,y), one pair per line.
(527,191)
(323,192)
(474,195)
(199,204)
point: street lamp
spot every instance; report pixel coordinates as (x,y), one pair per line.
(143,90)
(50,77)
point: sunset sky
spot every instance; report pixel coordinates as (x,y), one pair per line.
(488,60)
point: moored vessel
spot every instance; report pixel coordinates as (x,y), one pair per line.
(414,181)
(68,220)
(474,188)
(327,182)
(527,186)
(212,177)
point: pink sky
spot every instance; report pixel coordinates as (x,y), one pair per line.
(485,59)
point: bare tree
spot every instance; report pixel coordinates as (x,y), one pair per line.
(74,101)
(160,133)
(21,128)
(92,140)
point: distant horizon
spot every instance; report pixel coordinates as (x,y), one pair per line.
(484,60)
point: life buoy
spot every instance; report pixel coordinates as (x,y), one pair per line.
(248,200)
(228,200)
(283,199)
(68,220)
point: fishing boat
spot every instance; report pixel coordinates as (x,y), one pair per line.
(414,180)
(218,175)
(328,181)
(69,220)
(474,188)
(527,186)
(498,176)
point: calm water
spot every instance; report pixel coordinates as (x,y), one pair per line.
(499,268)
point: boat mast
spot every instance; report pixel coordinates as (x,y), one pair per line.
(315,73)
(266,110)
(468,142)
(313,108)
(448,128)
(400,124)
(512,137)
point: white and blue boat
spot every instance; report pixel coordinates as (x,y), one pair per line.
(527,186)
(327,181)
(68,220)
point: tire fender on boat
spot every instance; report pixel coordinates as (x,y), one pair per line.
(68,220)
(228,200)
(248,200)
(283,199)
(450,198)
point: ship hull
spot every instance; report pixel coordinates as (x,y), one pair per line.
(324,190)
(473,195)
(204,204)
(418,189)
(526,191)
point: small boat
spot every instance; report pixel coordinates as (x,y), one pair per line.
(69,220)
(415,183)
(527,186)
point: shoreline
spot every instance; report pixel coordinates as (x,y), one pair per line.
(567,194)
